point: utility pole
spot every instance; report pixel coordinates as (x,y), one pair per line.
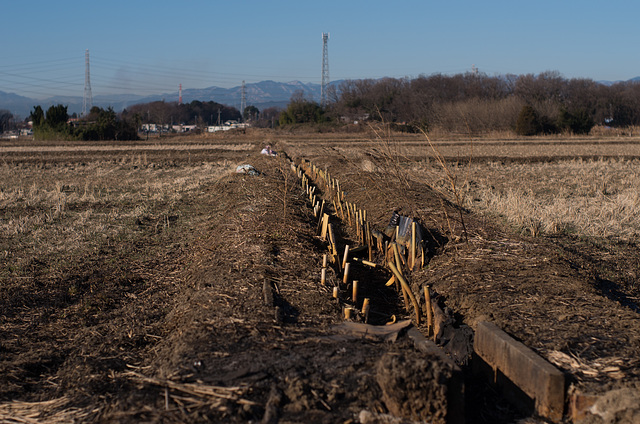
(325,69)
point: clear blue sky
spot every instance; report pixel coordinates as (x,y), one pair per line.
(149,47)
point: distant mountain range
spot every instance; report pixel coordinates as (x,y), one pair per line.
(262,95)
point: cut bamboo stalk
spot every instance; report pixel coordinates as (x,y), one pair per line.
(335,292)
(354,293)
(365,262)
(412,251)
(345,278)
(369,244)
(334,250)
(324,260)
(427,300)
(323,276)
(406,287)
(365,309)
(405,298)
(325,226)
(346,255)
(321,215)
(348,312)
(396,255)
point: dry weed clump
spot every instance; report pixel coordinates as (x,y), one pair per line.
(587,198)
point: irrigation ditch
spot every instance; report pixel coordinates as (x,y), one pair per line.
(369,271)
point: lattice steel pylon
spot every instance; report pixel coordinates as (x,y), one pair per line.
(243,101)
(87,98)
(325,69)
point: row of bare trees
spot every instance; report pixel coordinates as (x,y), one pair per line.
(477,103)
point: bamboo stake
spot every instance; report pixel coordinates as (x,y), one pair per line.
(427,300)
(365,309)
(334,250)
(325,225)
(406,287)
(323,276)
(321,215)
(412,258)
(369,244)
(354,295)
(324,260)
(345,278)
(347,313)
(346,255)
(335,292)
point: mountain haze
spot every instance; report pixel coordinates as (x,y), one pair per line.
(262,95)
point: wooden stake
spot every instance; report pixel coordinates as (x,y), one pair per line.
(365,309)
(347,313)
(346,255)
(427,300)
(345,278)
(334,250)
(369,244)
(325,225)
(321,215)
(412,252)
(354,295)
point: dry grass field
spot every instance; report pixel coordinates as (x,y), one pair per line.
(131,274)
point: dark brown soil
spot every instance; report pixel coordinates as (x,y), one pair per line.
(229,322)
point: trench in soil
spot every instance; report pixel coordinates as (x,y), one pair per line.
(483,402)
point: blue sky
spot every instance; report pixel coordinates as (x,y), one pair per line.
(148,47)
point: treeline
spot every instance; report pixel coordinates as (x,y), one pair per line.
(478,103)
(99,124)
(194,113)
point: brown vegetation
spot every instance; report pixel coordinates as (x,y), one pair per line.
(133,275)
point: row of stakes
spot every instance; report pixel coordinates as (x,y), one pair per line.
(313,177)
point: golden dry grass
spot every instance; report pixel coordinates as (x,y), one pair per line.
(66,210)
(597,198)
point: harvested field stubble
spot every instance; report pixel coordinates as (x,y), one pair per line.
(133,287)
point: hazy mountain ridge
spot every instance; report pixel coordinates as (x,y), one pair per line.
(261,94)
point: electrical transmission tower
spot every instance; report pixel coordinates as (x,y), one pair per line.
(87,99)
(243,100)
(325,69)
